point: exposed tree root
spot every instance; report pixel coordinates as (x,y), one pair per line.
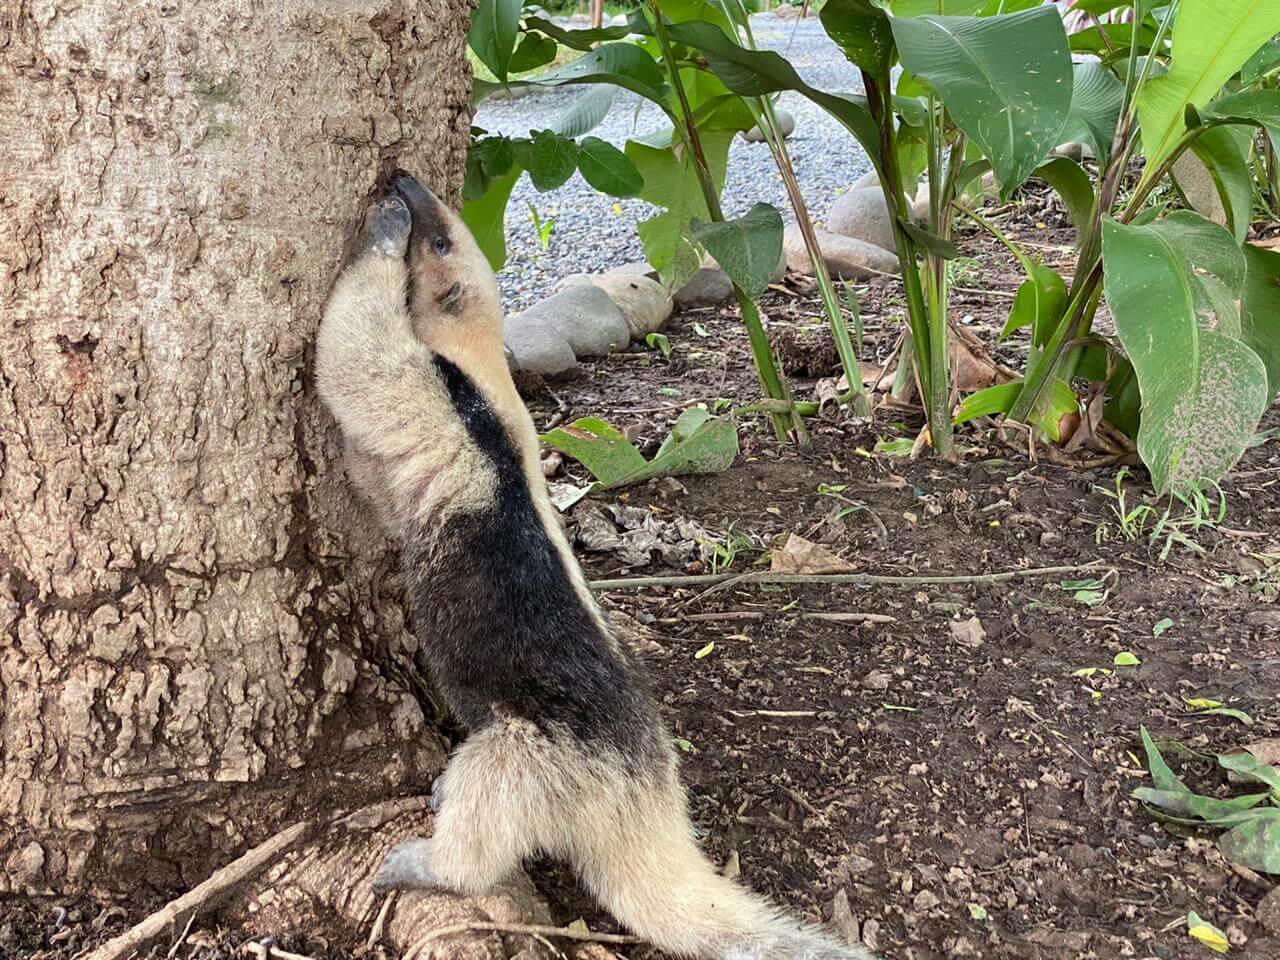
(317,876)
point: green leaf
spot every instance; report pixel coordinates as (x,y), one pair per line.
(1126,659)
(486,215)
(494,25)
(756,73)
(1255,843)
(708,447)
(552,160)
(625,65)
(1261,63)
(989,402)
(1096,100)
(1161,775)
(934,244)
(1161,626)
(1203,391)
(1006,80)
(955,8)
(1207,933)
(1039,303)
(659,341)
(1260,310)
(1073,185)
(534,51)
(1260,107)
(705,651)
(977,912)
(1228,712)
(1212,39)
(587,112)
(608,169)
(1247,765)
(575,39)
(1223,153)
(748,249)
(862,31)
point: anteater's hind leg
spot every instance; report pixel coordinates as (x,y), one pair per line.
(495,801)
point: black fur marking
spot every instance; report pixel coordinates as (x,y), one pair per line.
(503,631)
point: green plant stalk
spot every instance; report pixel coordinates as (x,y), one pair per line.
(934,396)
(767,121)
(771,379)
(938,403)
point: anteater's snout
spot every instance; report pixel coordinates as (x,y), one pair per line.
(428,212)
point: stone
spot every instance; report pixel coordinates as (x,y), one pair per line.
(645,303)
(619,20)
(846,258)
(627,269)
(1079,152)
(1194,180)
(785,11)
(708,287)
(586,317)
(786,126)
(863,215)
(537,347)
(1268,912)
(869,179)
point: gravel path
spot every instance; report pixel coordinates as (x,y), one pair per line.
(594,232)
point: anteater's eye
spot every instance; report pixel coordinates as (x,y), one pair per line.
(441,245)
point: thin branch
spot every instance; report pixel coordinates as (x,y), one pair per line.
(532,930)
(863,579)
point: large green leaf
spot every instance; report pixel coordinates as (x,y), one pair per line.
(1223,153)
(533,51)
(552,160)
(756,73)
(1261,107)
(587,112)
(608,169)
(698,443)
(1172,287)
(748,249)
(1261,63)
(1073,185)
(575,39)
(862,31)
(946,8)
(1096,100)
(485,217)
(1255,843)
(1212,39)
(494,25)
(1006,80)
(1039,304)
(623,65)
(1260,310)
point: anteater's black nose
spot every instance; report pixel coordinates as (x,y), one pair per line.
(428,213)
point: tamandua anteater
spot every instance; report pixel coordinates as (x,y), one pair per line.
(566,752)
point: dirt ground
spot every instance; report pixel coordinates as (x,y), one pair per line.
(936,763)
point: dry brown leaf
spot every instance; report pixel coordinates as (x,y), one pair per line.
(968,632)
(799,555)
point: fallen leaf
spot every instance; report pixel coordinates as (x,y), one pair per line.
(968,632)
(1126,659)
(799,555)
(1206,933)
(705,650)
(1161,626)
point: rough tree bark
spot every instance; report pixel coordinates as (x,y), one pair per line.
(199,629)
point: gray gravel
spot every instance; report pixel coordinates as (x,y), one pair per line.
(594,232)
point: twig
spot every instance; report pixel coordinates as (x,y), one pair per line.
(267,951)
(774,713)
(205,896)
(863,579)
(177,944)
(532,930)
(380,922)
(851,617)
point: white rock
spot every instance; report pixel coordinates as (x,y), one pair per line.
(869,179)
(645,303)
(1073,151)
(784,11)
(631,269)
(708,287)
(586,317)
(536,346)
(846,258)
(786,126)
(863,215)
(619,20)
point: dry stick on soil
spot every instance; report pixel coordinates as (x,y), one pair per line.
(532,930)
(719,581)
(204,897)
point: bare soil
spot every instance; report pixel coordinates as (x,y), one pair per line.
(939,763)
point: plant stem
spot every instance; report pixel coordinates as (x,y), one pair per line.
(771,379)
(934,397)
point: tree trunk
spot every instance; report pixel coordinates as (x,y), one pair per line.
(201,631)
